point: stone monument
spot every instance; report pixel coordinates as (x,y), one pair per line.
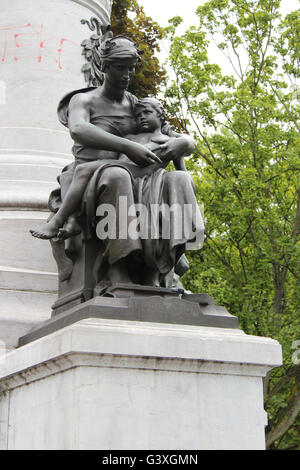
(122,146)
(128,359)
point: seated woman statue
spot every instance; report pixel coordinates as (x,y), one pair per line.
(152,131)
(121,149)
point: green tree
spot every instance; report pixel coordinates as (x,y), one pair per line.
(247,171)
(129,19)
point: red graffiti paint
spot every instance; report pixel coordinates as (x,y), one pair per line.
(60,50)
(4,50)
(7,28)
(4,36)
(12,40)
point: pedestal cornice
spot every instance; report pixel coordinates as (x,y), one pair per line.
(108,343)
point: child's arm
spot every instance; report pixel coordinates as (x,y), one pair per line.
(180,164)
(179,145)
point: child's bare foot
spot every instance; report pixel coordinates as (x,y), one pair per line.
(50,230)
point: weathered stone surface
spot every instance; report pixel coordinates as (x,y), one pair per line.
(111,384)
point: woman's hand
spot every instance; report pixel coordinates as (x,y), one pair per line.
(177,147)
(140,155)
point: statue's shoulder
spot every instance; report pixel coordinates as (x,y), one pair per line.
(132,98)
(63,106)
(82,97)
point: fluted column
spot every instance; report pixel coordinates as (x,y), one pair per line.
(40,61)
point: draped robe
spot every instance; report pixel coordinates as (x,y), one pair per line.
(138,185)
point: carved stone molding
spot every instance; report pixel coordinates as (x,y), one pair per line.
(136,345)
(78,359)
(101,8)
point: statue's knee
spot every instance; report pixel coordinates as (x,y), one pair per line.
(82,172)
(116,177)
(66,177)
(177,178)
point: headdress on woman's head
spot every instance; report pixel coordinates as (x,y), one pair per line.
(118,48)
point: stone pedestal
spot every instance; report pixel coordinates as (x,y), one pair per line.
(40,61)
(113,384)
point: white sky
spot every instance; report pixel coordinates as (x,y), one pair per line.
(162,10)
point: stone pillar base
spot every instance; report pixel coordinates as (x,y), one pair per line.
(115,384)
(28,279)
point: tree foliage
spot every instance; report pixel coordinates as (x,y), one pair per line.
(245,120)
(129,19)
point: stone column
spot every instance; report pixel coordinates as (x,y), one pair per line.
(40,61)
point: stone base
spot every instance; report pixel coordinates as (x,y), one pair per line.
(141,303)
(115,384)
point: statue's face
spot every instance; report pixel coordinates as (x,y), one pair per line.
(120,73)
(147,118)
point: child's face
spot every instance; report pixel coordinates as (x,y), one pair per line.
(147,119)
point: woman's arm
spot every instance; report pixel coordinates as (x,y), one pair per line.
(91,136)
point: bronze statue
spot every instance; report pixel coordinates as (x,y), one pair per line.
(122,146)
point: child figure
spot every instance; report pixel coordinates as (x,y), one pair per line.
(153,132)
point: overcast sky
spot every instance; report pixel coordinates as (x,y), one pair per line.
(162,10)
